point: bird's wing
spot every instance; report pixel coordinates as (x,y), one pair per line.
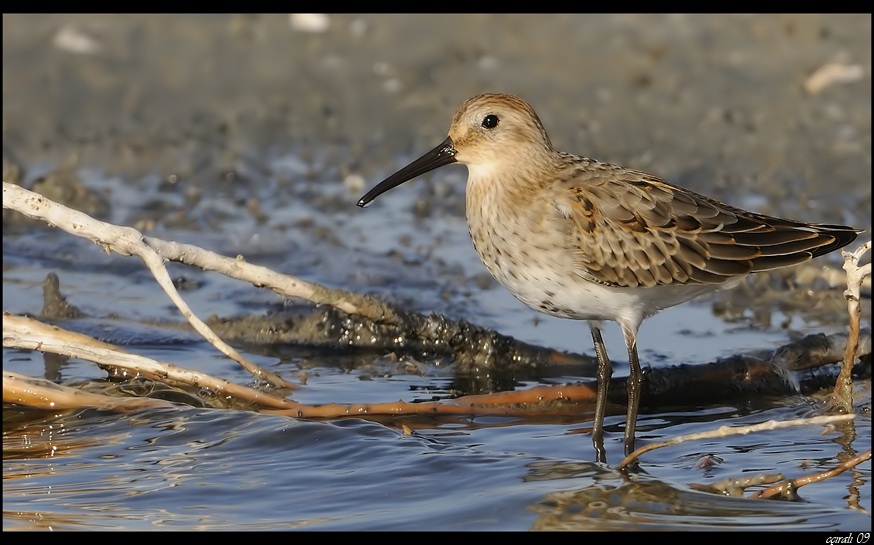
(632,229)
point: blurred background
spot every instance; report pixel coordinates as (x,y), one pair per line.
(723,103)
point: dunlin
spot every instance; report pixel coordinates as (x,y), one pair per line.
(577,238)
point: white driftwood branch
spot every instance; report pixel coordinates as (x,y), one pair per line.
(288,286)
(27,333)
(726,431)
(842,397)
(125,241)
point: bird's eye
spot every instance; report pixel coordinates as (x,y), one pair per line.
(490,121)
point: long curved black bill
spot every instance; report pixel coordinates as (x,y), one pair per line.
(437,157)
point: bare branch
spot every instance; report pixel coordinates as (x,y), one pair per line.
(125,241)
(288,286)
(27,333)
(726,431)
(45,394)
(842,397)
(789,487)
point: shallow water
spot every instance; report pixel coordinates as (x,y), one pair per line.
(192,468)
(196,469)
(254,159)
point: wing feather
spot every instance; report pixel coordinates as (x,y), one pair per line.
(632,229)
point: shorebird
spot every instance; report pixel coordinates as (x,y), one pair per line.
(579,238)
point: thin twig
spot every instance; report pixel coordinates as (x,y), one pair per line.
(789,487)
(725,431)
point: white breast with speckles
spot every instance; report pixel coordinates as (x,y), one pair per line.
(527,249)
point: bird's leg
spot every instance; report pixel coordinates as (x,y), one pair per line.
(605,373)
(635,381)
